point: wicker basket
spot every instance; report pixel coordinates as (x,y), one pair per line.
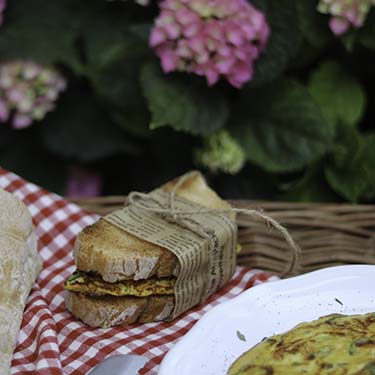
(328,234)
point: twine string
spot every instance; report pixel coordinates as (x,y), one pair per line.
(184,218)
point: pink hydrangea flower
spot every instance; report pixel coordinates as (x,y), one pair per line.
(27,92)
(211,38)
(345,13)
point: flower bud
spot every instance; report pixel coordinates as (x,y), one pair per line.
(221,152)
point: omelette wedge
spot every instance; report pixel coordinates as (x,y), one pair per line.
(332,345)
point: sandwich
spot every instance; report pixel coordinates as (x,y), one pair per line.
(121,279)
(19,267)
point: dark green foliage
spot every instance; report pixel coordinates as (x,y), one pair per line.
(283,44)
(185,104)
(350,170)
(305,121)
(313,26)
(339,94)
(83,132)
(42,31)
(280,126)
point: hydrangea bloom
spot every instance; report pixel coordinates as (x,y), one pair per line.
(211,38)
(345,13)
(27,92)
(221,152)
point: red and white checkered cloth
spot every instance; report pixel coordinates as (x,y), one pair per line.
(51,341)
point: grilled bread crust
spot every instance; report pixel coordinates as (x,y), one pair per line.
(112,311)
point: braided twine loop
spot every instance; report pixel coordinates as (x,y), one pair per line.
(185,218)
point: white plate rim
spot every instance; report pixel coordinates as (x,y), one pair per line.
(313,278)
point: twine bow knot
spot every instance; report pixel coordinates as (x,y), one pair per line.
(185,218)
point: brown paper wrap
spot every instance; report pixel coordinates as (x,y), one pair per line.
(204,244)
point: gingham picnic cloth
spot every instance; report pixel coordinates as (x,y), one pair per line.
(51,341)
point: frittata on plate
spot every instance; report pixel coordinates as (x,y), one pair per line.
(334,344)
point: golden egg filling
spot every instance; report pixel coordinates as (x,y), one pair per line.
(94,285)
(335,344)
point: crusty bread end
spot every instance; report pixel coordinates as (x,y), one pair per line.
(15,218)
(111,311)
(19,267)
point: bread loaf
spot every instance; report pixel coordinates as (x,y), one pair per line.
(19,267)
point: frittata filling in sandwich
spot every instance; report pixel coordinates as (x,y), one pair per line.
(93,285)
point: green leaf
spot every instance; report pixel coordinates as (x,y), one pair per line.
(251,182)
(349,40)
(306,57)
(135,121)
(367,33)
(352,348)
(240,336)
(117,83)
(284,41)
(184,103)
(280,127)
(369,162)
(370,367)
(313,25)
(110,37)
(80,129)
(311,187)
(350,171)
(141,30)
(43,31)
(338,93)
(260,4)
(114,54)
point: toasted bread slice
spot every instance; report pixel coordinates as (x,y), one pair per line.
(118,255)
(112,311)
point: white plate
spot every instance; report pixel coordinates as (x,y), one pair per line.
(211,346)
